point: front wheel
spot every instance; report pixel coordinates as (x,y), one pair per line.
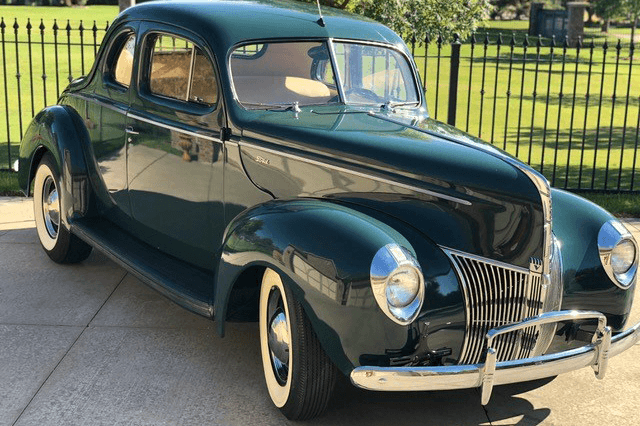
(299,375)
(56,240)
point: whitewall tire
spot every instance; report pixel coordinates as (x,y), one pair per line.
(299,375)
(56,240)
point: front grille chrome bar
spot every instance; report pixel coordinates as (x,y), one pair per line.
(497,294)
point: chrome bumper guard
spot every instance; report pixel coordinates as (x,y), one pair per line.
(491,373)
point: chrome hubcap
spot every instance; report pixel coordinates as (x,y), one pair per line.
(51,207)
(278,336)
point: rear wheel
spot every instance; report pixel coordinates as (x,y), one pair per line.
(59,244)
(299,375)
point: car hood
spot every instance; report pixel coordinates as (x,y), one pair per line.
(460,192)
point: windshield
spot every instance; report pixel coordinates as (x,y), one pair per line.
(291,74)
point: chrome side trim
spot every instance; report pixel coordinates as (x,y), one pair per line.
(146,120)
(595,354)
(359,174)
(111,107)
(173,128)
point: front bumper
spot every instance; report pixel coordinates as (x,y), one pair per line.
(493,373)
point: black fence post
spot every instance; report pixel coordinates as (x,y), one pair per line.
(453,80)
(6,92)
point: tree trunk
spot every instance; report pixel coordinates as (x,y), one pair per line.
(633,29)
(605,26)
(123,4)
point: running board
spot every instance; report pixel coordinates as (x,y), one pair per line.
(159,271)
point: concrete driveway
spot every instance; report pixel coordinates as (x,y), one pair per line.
(90,345)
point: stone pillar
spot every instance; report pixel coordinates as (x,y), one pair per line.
(533,18)
(575,22)
(125,4)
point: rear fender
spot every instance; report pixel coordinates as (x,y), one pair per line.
(60,131)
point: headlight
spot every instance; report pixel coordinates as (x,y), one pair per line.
(397,283)
(623,256)
(618,253)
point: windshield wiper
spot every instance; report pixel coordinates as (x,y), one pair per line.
(288,106)
(390,105)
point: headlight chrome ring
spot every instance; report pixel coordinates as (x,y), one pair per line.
(397,283)
(618,252)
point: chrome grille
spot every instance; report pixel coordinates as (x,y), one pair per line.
(497,294)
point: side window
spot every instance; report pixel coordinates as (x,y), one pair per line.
(124,64)
(181,71)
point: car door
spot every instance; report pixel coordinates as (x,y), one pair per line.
(112,93)
(174,150)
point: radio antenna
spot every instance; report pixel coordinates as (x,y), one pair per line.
(321,20)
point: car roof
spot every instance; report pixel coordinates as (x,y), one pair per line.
(230,22)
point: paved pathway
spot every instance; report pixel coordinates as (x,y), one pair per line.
(90,345)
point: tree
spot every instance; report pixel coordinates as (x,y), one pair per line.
(631,9)
(608,10)
(420,17)
(623,9)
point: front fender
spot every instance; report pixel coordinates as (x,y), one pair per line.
(60,131)
(323,252)
(576,223)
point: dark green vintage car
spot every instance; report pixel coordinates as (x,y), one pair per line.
(254,161)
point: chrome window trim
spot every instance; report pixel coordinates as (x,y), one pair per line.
(336,70)
(206,107)
(190,80)
(410,61)
(108,52)
(328,41)
(359,174)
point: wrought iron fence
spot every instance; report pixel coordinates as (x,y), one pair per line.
(571,112)
(38,60)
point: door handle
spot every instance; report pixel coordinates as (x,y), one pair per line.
(129,130)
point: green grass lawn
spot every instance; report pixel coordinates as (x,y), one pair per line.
(528,103)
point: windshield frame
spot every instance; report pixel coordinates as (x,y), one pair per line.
(329,41)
